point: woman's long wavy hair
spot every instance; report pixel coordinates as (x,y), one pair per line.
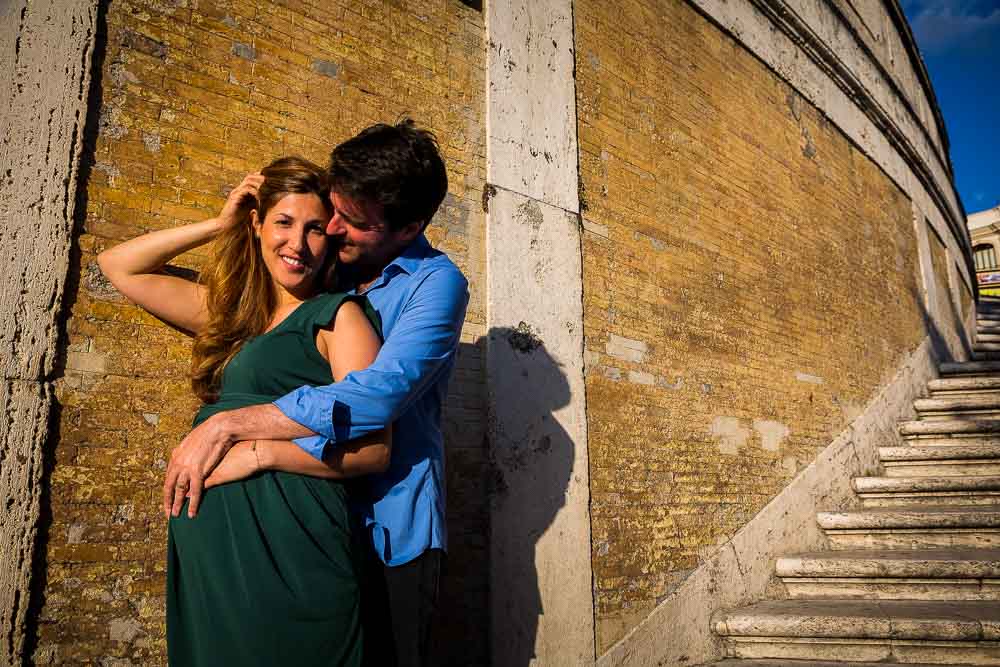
(242,297)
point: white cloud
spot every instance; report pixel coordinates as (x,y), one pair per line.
(943,24)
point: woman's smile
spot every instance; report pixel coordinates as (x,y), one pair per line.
(294,263)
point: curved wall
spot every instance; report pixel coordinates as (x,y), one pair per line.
(771,237)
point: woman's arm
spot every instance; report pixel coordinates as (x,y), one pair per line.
(352,345)
(359,457)
(363,456)
(132,266)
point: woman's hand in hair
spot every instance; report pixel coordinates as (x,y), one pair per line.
(241,200)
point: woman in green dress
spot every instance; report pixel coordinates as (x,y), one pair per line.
(266,573)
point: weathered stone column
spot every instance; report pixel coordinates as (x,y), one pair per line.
(540,569)
(45,50)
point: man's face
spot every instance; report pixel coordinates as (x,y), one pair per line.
(366,241)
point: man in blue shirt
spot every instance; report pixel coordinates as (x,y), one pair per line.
(387,183)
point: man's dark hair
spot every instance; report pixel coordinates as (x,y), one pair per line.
(397,166)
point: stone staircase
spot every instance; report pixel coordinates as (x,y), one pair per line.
(913,574)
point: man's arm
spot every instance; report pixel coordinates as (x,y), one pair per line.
(423,340)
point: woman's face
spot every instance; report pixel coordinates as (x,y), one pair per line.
(293,242)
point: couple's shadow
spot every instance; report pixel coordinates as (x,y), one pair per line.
(509,463)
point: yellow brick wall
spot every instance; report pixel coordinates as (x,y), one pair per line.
(192,96)
(749,282)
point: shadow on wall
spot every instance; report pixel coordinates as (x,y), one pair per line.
(960,321)
(939,341)
(508,470)
(508,467)
(531,460)
(461,630)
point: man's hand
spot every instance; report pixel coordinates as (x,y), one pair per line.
(192,461)
(200,452)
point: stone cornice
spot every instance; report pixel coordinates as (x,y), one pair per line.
(895,12)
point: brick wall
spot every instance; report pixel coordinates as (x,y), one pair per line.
(192,96)
(749,282)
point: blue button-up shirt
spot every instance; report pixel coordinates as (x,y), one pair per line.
(421,297)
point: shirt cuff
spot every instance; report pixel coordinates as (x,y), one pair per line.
(300,407)
(313,445)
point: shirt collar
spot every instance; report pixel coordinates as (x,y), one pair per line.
(409,259)
(407,262)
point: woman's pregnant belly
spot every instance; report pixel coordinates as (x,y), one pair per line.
(283,530)
(273,536)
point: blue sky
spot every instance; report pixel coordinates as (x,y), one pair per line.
(960,43)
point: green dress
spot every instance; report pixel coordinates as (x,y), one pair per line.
(267,572)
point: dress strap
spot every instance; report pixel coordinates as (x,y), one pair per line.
(328,304)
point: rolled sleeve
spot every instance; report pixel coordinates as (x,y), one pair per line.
(314,415)
(314,445)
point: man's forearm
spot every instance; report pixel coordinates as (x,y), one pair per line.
(418,350)
(259,422)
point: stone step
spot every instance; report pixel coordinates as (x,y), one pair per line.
(957,403)
(958,415)
(984,346)
(958,407)
(908,631)
(964,386)
(898,491)
(933,574)
(952,563)
(992,336)
(949,368)
(933,457)
(893,575)
(925,517)
(985,355)
(942,468)
(764,662)
(992,327)
(973,443)
(935,527)
(939,449)
(950,427)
